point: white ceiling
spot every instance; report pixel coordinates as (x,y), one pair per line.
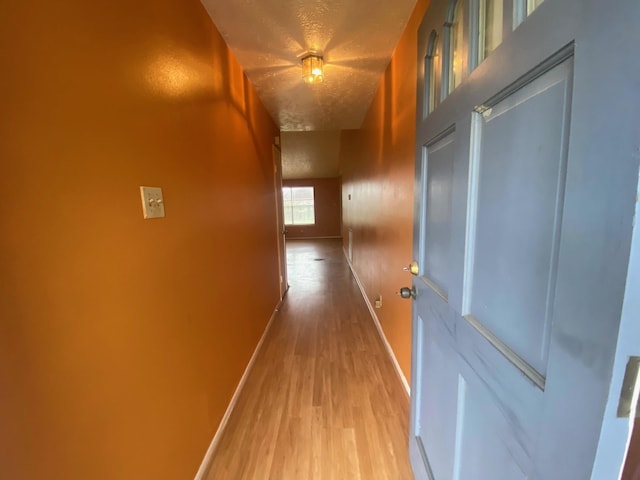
(356,37)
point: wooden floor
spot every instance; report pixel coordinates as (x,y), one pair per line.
(323,400)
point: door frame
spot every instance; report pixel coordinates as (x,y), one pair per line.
(281,230)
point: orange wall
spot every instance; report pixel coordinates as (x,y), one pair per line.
(632,464)
(123,339)
(327,209)
(377,166)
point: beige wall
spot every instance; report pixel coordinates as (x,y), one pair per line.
(377,166)
(327,209)
(122,339)
(314,154)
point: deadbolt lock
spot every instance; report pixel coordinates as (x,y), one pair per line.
(413,268)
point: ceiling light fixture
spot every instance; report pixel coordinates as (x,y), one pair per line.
(313,68)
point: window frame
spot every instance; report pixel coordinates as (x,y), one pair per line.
(431,78)
(522,9)
(289,204)
(448,77)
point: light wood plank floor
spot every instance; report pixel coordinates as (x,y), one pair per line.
(323,400)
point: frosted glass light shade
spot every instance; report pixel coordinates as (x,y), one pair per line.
(313,69)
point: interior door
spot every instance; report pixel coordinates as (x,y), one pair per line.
(282,248)
(526,188)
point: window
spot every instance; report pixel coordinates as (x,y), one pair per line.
(431,96)
(523,8)
(456,45)
(490,27)
(298,205)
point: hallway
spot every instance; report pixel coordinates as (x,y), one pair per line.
(323,400)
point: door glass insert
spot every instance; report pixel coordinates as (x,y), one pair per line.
(489,28)
(523,8)
(532,5)
(456,43)
(431,76)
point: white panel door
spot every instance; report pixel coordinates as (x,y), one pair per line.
(527,163)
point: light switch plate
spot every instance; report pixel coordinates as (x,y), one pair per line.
(152,202)
(378,303)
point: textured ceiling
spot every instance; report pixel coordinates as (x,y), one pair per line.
(356,37)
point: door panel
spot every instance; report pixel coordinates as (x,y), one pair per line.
(437,221)
(523,225)
(486,449)
(437,413)
(518,207)
(519,400)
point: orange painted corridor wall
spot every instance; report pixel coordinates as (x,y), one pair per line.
(123,339)
(377,167)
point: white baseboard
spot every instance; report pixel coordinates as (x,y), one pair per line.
(376,321)
(312,238)
(208,457)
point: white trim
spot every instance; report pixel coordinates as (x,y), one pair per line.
(208,457)
(376,321)
(310,238)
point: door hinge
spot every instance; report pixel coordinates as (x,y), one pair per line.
(628,391)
